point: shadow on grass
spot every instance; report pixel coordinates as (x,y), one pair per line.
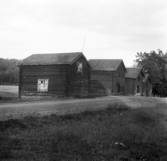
(71,147)
(7,145)
(76,117)
(12,124)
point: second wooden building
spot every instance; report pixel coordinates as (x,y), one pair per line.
(107,77)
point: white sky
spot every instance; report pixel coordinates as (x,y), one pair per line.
(114,29)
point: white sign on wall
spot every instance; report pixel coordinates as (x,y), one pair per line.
(43,85)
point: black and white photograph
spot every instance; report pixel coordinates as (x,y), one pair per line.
(83,80)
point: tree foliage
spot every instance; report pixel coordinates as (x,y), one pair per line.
(9,71)
(155,64)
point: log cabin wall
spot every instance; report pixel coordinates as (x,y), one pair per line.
(130,86)
(139,84)
(134,85)
(107,77)
(78,82)
(134,81)
(119,80)
(55,74)
(101,83)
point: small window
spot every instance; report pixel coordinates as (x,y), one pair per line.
(80,67)
(43,85)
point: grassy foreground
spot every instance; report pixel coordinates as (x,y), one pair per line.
(117,133)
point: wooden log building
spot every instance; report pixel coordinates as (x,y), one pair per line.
(107,77)
(134,81)
(54,75)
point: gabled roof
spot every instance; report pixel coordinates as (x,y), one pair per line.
(105,64)
(133,72)
(51,59)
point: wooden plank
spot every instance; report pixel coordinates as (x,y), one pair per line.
(43,74)
(51,81)
(20,82)
(34,88)
(35,78)
(44,68)
(31,93)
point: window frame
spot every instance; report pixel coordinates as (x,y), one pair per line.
(79,70)
(38,85)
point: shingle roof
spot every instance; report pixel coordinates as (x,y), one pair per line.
(133,72)
(105,64)
(50,59)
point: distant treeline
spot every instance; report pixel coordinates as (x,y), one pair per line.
(9,72)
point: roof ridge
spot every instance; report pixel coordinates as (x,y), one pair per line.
(55,53)
(105,59)
(52,58)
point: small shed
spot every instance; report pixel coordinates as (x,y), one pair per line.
(107,76)
(134,81)
(54,75)
(147,86)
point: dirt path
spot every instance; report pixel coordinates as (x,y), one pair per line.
(18,110)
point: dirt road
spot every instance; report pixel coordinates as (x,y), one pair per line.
(18,110)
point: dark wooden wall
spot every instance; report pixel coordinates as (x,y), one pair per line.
(140,83)
(29,76)
(119,79)
(131,85)
(101,83)
(78,84)
(107,82)
(64,80)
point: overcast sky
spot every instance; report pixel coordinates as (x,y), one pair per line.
(112,29)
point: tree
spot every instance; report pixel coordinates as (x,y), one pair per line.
(9,71)
(155,64)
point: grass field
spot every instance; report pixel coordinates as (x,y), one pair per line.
(116,133)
